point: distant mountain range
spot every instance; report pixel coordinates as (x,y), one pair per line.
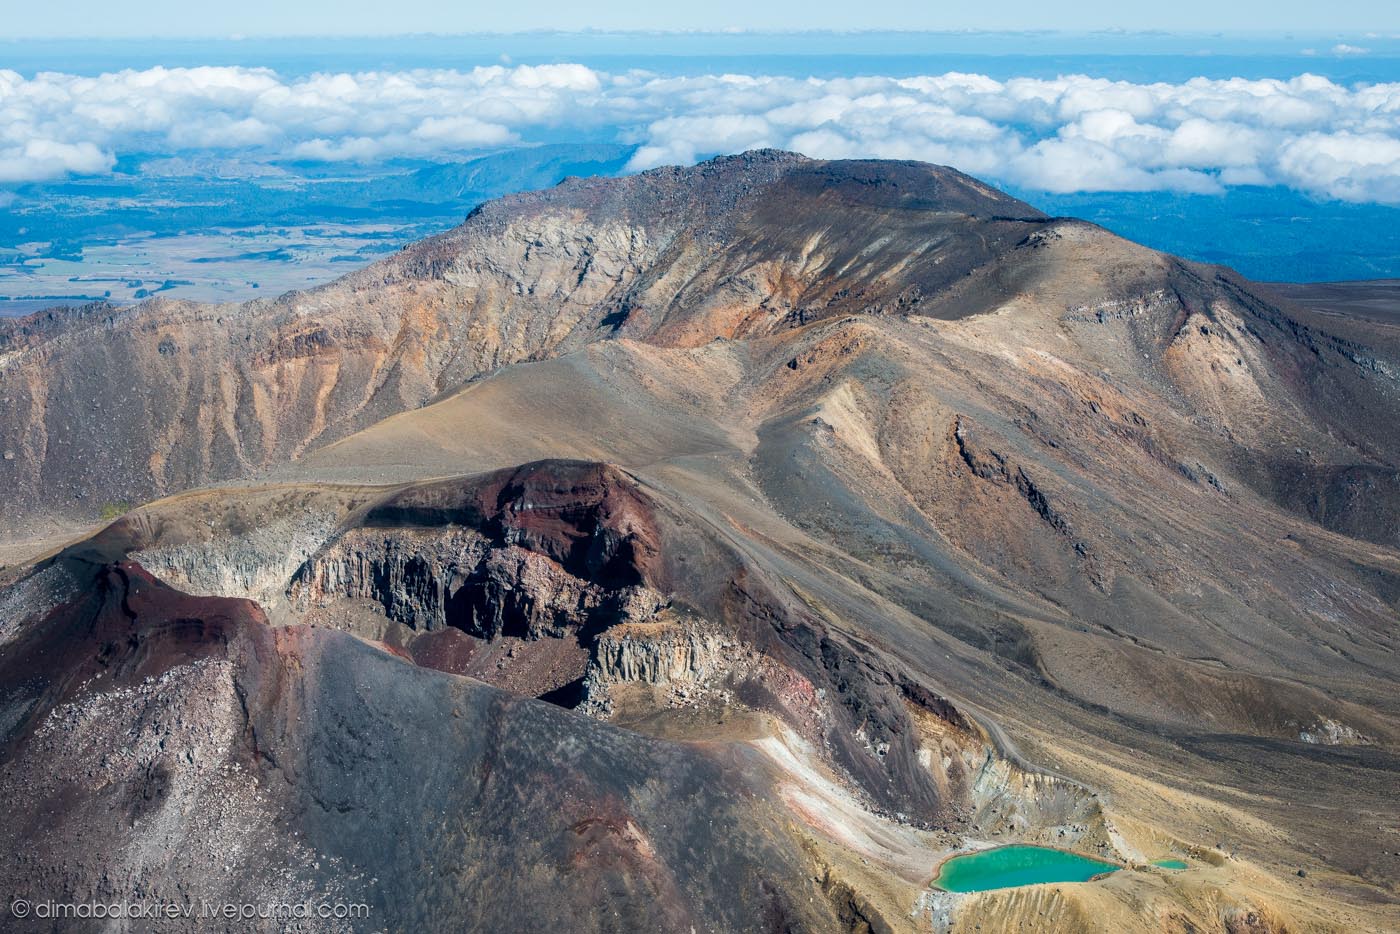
(211,231)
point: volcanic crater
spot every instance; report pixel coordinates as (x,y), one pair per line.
(717,548)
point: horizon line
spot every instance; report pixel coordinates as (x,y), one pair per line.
(1385,35)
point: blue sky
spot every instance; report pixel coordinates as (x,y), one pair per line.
(178,18)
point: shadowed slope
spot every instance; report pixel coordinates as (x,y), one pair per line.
(267,766)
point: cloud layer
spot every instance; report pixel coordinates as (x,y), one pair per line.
(1073,133)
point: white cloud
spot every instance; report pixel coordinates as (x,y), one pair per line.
(45,158)
(1349,166)
(1068,133)
(683,139)
(1198,143)
(464,132)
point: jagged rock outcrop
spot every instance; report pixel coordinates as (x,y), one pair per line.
(660,653)
(456,578)
(693,662)
(546,549)
(242,562)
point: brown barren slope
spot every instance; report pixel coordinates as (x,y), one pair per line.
(872,513)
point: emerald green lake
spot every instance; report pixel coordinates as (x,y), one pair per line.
(1171,863)
(1008,866)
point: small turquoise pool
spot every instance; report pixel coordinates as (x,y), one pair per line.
(1171,863)
(1007,866)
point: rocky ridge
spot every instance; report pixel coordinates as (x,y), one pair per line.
(868,507)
